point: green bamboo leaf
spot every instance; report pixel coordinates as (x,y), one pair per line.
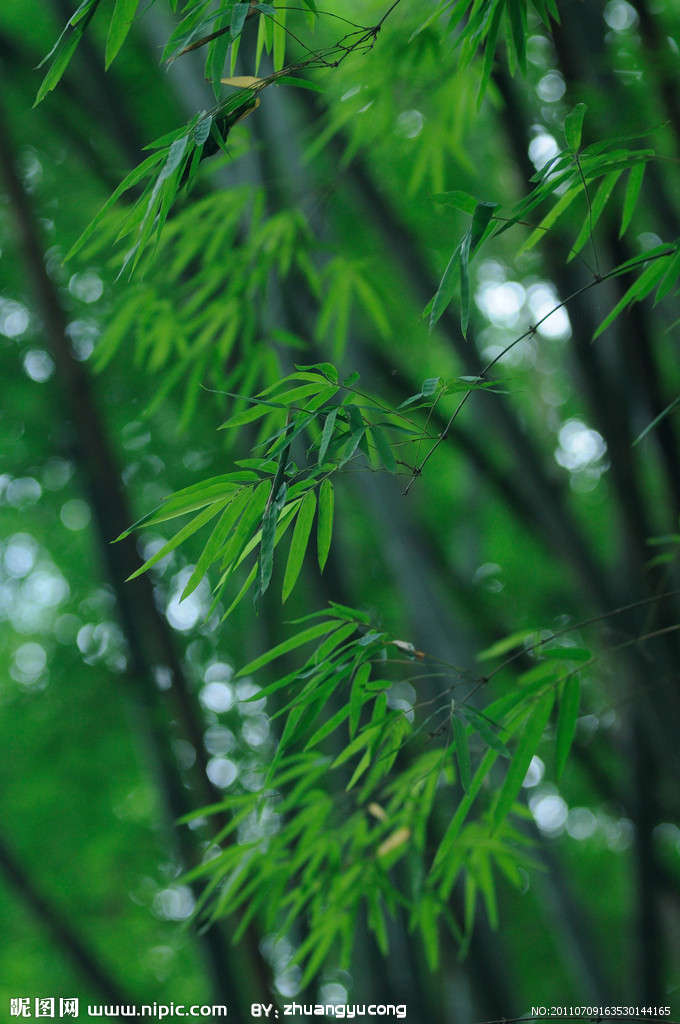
(484,876)
(550,218)
(323,940)
(639,290)
(573,126)
(299,83)
(508,643)
(288,645)
(462,752)
(383,448)
(657,419)
(130,181)
(252,575)
(598,204)
(325,522)
(201,130)
(250,518)
(427,922)
(189,499)
(518,24)
(633,186)
(327,433)
(268,538)
(484,727)
(447,287)
(65,46)
(526,748)
(670,278)
(479,229)
(239,14)
(250,415)
(298,545)
(465,282)
(200,520)
(489,51)
(217,539)
(328,727)
(462,201)
(121,20)
(267,546)
(566,721)
(450,839)
(358,697)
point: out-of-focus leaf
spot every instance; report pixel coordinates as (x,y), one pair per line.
(462,752)
(657,419)
(566,721)
(521,759)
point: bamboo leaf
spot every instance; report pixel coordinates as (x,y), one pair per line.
(325,522)
(447,287)
(639,290)
(449,841)
(566,721)
(239,14)
(485,729)
(573,126)
(526,748)
(462,752)
(518,24)
(465,282)
(298,545)
(217,539)
(65,47)
(669,408)
(462,201)
(633,186)
(289,645)
(384,449)
(267,546)
(200,520)
(121,20)
(598,204)
(248,521)
(670,278)
(357,697)
(327,434)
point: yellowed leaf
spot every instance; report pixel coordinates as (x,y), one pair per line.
(377,811)
(397,839)
(241,81)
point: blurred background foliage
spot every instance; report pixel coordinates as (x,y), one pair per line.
(315,236)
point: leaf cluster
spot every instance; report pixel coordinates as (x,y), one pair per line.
(361,811)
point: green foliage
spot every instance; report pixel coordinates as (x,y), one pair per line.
(370,805)
(338,699)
